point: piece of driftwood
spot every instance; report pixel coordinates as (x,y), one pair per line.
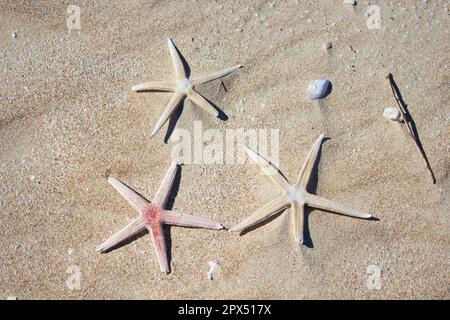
(409,122)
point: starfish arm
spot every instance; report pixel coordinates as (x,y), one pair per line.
(154,86)
(214,76)
(159,243)
(166,185)
(176,59)
(170,108)
(134,198)
(197,98)
(262,214)
(298,214)
(187,220)
(332,206)
(269,170)
(125,233)
(308,165)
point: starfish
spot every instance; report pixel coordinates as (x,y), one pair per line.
(294,196)
(153,217)
(183,87)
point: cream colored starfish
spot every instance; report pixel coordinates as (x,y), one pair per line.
(153,217)
(183,87)
(294,196)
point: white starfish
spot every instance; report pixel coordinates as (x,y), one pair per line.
(183,88)
(153,217)
(294,196)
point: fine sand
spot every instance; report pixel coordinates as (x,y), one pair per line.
(68,120)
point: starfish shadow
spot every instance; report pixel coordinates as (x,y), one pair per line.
(187,69)
(312,188)
(127,241)
(177,114)
(262,223)
(174,191)
(169,206)
(307,240)
(222,115)
(173,122)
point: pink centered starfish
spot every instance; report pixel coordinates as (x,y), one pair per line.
(153,217)
(294,196)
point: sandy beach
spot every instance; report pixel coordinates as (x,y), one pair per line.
(69,120)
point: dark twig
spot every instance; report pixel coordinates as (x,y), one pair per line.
(222,84)
(409,122)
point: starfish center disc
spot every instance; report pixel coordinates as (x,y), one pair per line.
(153,214)
(295,195)
(184,85)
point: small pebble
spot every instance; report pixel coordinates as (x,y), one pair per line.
(393,114)
(352,2)
(213,265)
(327,45)
(13,35)
(32,178)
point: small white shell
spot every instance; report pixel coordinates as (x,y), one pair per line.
(318,89)
(327,45)
(213,266)
(352,2)
(393,114)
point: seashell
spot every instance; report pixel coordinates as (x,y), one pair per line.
(327,45)
(352,2)
(318,89)
(393,114)
(213,266)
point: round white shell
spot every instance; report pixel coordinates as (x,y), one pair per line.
(318,89)
(393,114)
